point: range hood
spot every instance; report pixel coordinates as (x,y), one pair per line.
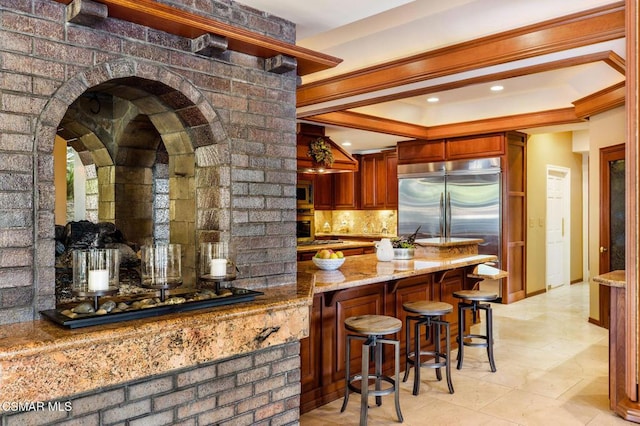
(342,160)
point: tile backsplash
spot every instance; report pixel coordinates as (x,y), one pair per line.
(356,222)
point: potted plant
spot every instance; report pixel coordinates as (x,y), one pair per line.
(404,247)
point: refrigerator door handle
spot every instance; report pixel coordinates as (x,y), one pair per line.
(441,215)
(448,233)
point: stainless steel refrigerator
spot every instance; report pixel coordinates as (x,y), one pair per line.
(452,199)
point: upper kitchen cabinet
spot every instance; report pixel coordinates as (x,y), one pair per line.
(420,151)
(337,191)
(379,180)
(346,191)
(463,148)
(323,188)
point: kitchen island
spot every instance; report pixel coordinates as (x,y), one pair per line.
(41,361)
(363,286)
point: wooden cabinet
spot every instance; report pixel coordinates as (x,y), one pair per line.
(346,191)
(334,191)
(323,192)
(420,151)
(329,311)
(475,147)
(379,180)
(462,148)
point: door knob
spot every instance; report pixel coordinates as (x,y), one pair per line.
(603,249)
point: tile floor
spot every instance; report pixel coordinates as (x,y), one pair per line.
(552,370)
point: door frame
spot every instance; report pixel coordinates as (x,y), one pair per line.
(565,172)
(607,154)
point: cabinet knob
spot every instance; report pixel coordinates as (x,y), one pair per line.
(603,249)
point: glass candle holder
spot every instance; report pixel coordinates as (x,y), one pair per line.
(214,258)
(96,271)
(161,265)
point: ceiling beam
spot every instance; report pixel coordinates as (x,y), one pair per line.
(581,29)
(506,123)
(609,57)
(190,25)
(498,124)
(601,101)
(371,123)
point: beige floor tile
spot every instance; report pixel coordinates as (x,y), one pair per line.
(552,370)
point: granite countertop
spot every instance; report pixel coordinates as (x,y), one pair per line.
(446,242)
(41,361)
(365,269)
(355,235)
(334,246)
(612,279)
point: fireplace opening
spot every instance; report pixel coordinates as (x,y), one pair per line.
(126,148)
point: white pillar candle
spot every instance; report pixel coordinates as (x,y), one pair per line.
(218,267)
(98,279)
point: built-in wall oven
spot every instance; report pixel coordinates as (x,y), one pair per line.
(305,225)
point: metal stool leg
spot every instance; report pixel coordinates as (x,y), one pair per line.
(397,382)
(448,353)
(416,358)
(437,346)
(489,316)
(364,384)
(461,327)
(377,348)
(347,375)
(407,339)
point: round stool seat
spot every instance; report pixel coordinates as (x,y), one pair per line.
(373,325)
(475,295)
(428,307)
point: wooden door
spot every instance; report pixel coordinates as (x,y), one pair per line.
(612,219)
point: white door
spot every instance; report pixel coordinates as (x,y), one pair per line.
(557,235)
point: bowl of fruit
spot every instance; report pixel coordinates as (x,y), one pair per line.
(328,259)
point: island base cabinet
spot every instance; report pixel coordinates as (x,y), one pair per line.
(323,352)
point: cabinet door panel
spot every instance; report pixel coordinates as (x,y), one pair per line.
(475,147)
(346,188)
(391,194)
(323,188)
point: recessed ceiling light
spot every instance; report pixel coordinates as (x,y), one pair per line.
(433,99)
(497,88)
(347,143)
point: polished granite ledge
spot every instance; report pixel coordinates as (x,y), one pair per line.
(612,279)
(334,246)
(41,361)
(366,269)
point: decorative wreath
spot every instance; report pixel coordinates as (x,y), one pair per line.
(320,152)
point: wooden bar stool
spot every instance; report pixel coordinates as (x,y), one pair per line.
(429,314)
(371,330)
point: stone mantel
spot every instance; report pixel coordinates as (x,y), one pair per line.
(41,361)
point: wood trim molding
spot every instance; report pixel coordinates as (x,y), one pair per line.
(580,29)
(190,25)
(371,123)
(632,225)
(608,57)
(489,125)
(603,100)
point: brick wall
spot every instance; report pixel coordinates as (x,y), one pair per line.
(262,388)
(243,145)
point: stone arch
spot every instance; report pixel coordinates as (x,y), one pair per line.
(189,129)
